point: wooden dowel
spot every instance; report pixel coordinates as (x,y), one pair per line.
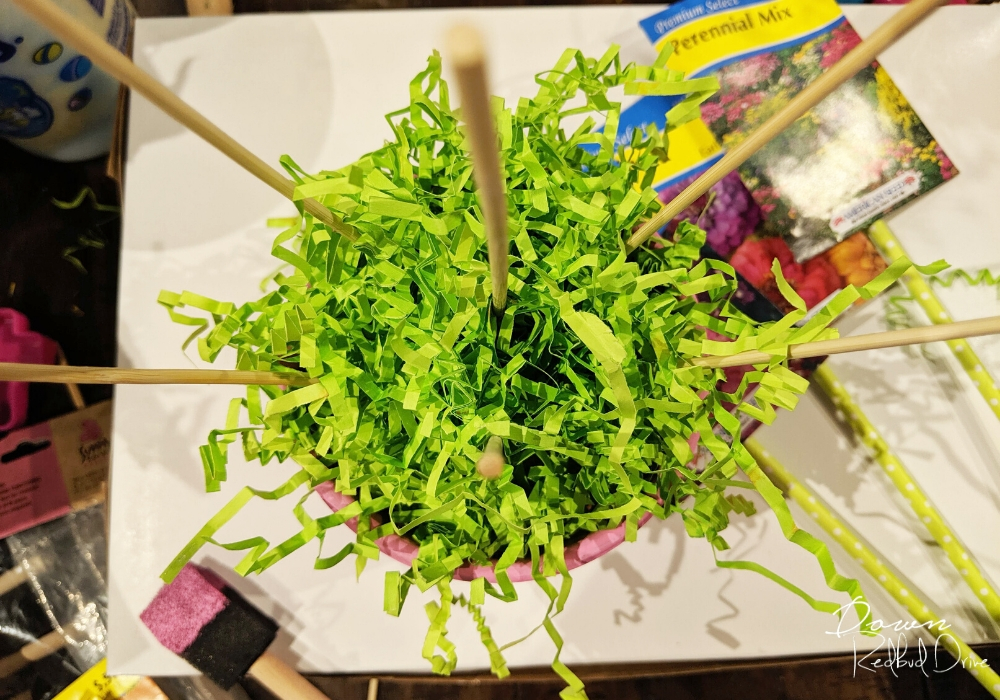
(106,57)
(872,341)
(54,374)
(859,57)
(468,56)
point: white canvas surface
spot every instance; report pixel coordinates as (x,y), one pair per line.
(316,86)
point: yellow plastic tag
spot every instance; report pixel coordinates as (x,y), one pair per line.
(95,685)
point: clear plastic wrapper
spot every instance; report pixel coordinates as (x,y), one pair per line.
(66,564)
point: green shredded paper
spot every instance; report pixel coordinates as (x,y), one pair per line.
(898,311)
(586,375)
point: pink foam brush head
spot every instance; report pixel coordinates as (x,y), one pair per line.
(183,607)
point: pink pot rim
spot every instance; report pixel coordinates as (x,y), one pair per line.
(403,550)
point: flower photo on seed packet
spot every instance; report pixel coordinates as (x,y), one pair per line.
(736,231)
(859,154)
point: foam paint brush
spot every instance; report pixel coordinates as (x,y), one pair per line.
(212,627)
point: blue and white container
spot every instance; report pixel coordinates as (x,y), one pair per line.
(53,101)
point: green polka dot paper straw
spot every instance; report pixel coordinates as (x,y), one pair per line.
(872,563)
(960,557)
(921,290)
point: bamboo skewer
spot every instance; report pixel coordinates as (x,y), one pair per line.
(92,45)
(468,56)
(55,374)
(866,432)
(75,395)
(871,341)
(921,291)
(859,57)
(869,559)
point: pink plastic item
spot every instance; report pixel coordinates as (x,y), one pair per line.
(19,344)
(405,551)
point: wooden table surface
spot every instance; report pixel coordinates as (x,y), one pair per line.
(78,310)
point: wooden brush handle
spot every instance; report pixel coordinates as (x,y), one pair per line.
(12,578)
(31,652)
(145,689)
(283,680)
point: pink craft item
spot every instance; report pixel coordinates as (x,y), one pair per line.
(19,344)
(32,489)
(184,606)
(403,550)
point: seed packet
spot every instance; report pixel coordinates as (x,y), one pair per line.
(859,154)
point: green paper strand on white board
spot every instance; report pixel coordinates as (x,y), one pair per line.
(958,554)
(856,547)
(923,294)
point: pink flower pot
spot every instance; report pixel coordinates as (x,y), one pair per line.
(405,551)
